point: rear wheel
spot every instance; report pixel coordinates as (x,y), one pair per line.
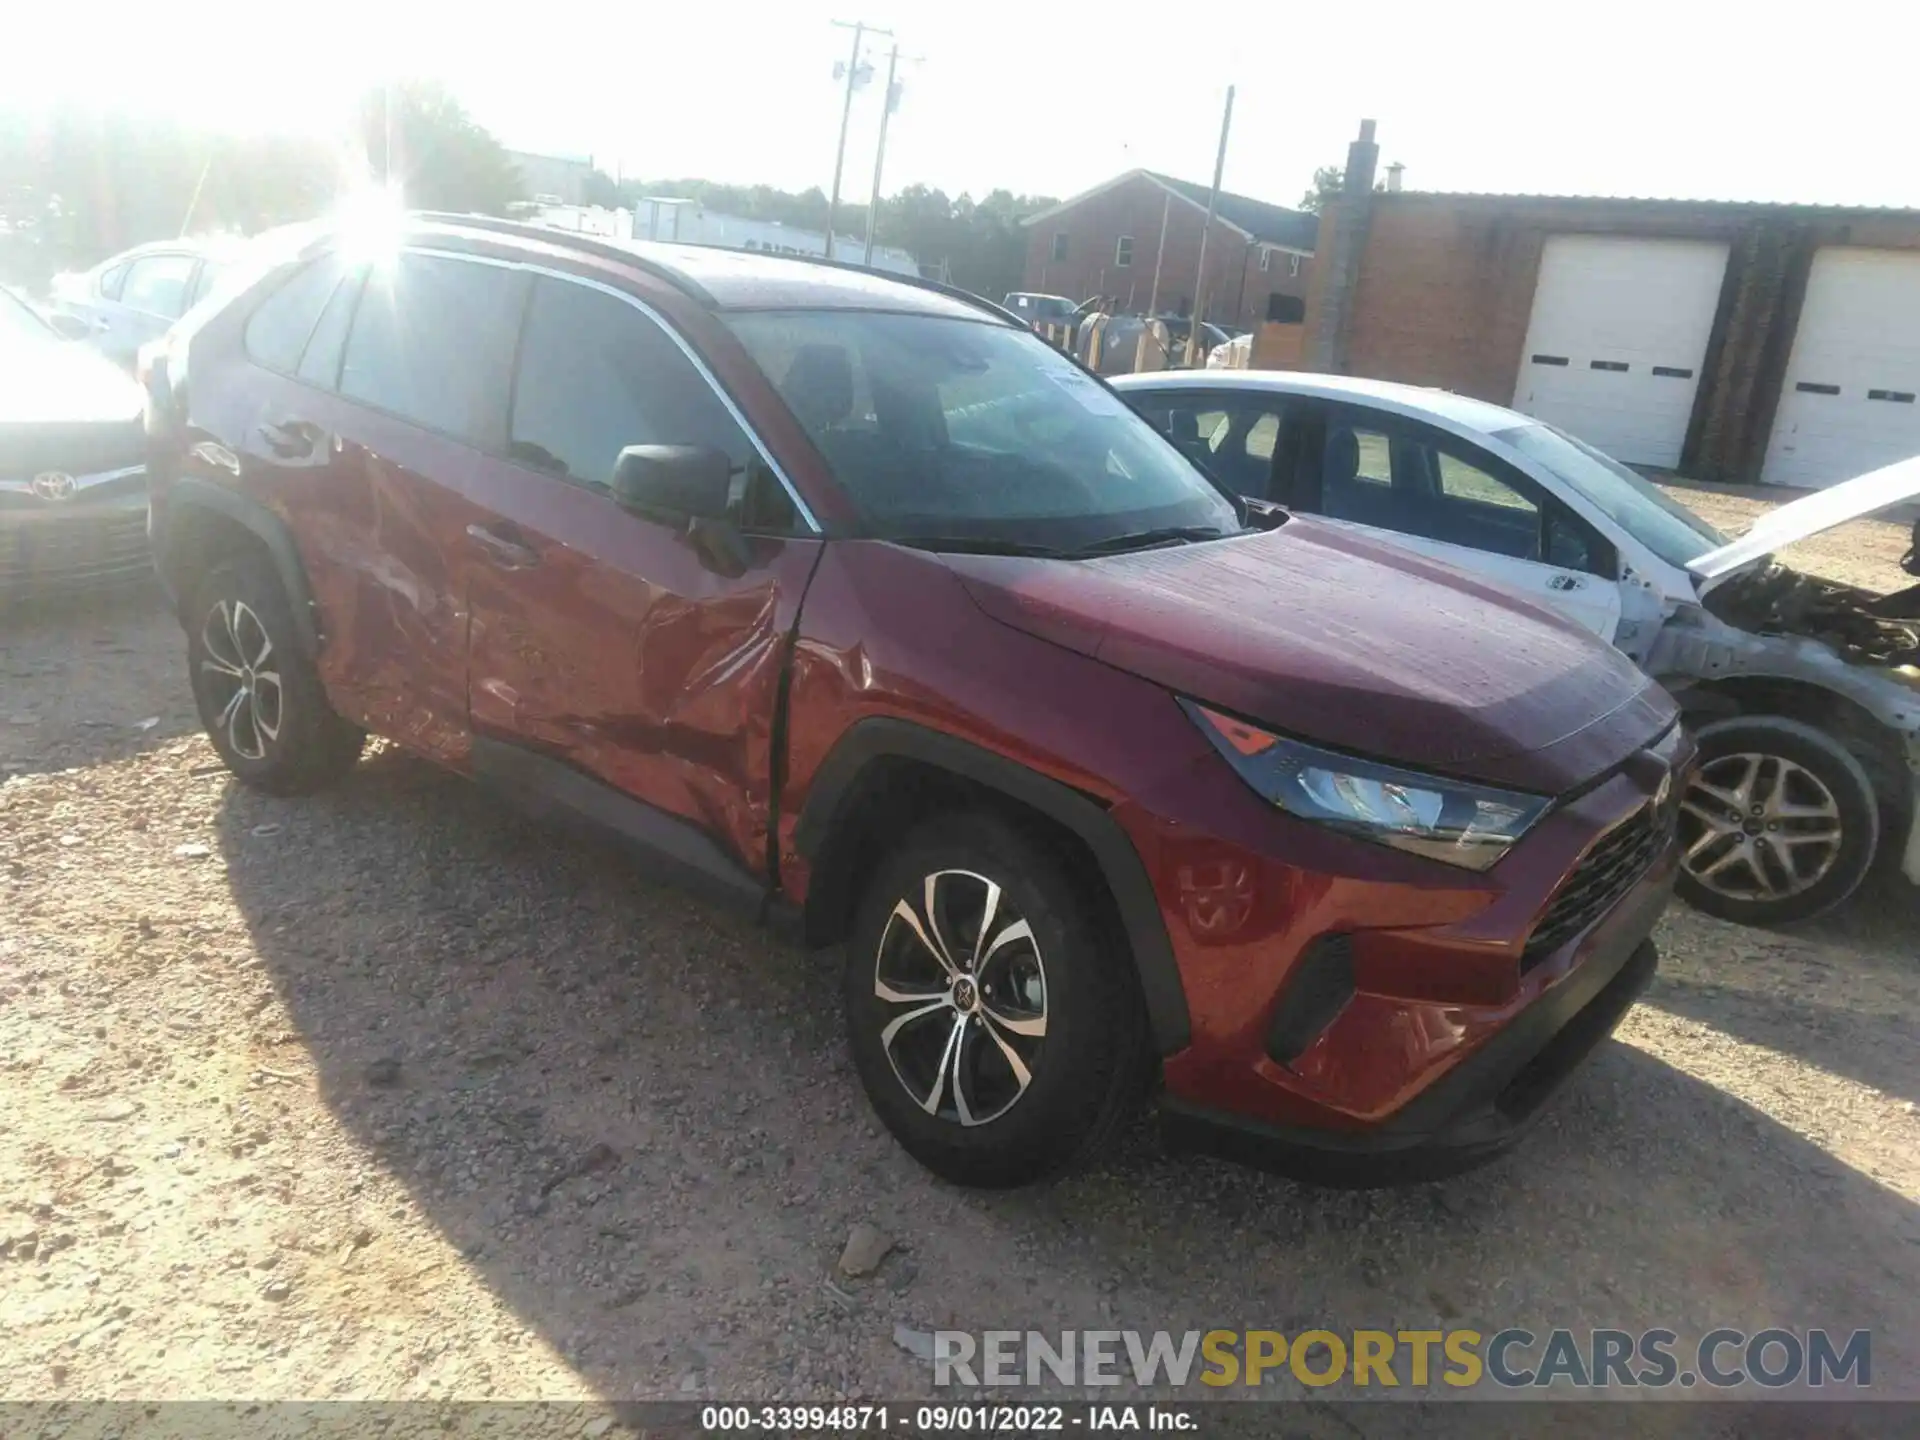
(1779,824)
(993,1030)
(260,698)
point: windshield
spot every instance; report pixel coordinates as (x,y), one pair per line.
(974,431)
(1637,505)
(20,321)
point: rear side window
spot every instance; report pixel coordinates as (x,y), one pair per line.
(277,332)
(432,342)
(210,273)
(157,284)
(596,375)
(320,364)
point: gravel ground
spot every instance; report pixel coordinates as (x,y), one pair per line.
(390,1093)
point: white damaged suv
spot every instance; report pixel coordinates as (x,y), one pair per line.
(1804,695)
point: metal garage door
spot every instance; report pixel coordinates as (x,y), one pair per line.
(1619,331)
(1848,404)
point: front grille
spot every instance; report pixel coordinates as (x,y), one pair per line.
(1607,871)
(74,551)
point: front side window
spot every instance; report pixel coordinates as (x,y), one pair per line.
(1641,508)
(112,280)
(1418,481)
(432,342)
(596,375)
(963,430)
(157,284)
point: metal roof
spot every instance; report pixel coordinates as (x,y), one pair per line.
(1674,202)
(1291,230)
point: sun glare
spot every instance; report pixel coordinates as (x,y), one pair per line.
(369,218)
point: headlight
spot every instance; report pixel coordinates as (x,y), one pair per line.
(1452,820)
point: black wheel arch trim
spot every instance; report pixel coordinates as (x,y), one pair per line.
(868,741)
(189,493)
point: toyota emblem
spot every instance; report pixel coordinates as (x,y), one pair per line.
(52,485)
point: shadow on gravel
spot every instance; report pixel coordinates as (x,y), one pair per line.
(1884,913)
(634,1116)
(1877,1047)
(119,649)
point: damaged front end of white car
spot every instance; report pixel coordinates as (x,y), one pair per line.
(1805,696)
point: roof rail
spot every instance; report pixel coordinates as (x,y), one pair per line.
(919,282)
(592,244)
(597,245)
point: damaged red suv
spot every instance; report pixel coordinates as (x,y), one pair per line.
(851,599)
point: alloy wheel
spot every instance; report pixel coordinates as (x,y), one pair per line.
(1759,827)
(960,974)
(245,690)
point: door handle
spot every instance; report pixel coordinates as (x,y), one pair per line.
(503,550)
(1564,582)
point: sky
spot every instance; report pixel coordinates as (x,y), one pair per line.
(1682,99)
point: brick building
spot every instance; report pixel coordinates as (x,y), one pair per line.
(1108,241)
(1730,341)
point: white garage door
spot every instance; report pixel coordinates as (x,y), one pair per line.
(1848,404)
(1619,331)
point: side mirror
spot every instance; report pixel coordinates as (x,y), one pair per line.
(675,483)
(69,327)
(689,486)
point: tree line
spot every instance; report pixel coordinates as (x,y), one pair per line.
(79,184)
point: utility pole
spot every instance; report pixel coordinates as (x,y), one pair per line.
(1153,298)
(860,30)
(888,106)
(1213,201)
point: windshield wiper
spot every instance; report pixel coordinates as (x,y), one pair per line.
(977,545)
(1148,539)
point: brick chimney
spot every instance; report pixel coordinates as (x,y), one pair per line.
(1336,257)
(1363,156)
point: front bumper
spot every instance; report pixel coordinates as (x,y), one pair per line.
(1361,1017)
(77,545)
(1482,1107)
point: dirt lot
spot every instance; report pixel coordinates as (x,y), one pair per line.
(391,1093)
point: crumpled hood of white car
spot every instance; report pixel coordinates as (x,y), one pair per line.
(1809,516)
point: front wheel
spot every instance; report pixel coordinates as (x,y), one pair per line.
(991,1013)
(1779,824)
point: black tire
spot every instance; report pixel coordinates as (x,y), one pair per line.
(1085,1070)
(1797,762)
(282,738)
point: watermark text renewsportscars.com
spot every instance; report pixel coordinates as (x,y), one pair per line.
(1375,1360)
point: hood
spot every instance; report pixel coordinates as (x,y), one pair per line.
(61,382)
(1349,642)
(1811,515)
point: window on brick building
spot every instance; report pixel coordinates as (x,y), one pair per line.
(1123,251)
(1266,260)
(1059,245)
(1293,265)
(1285,309)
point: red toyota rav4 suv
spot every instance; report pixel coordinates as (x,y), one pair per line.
(852,597)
